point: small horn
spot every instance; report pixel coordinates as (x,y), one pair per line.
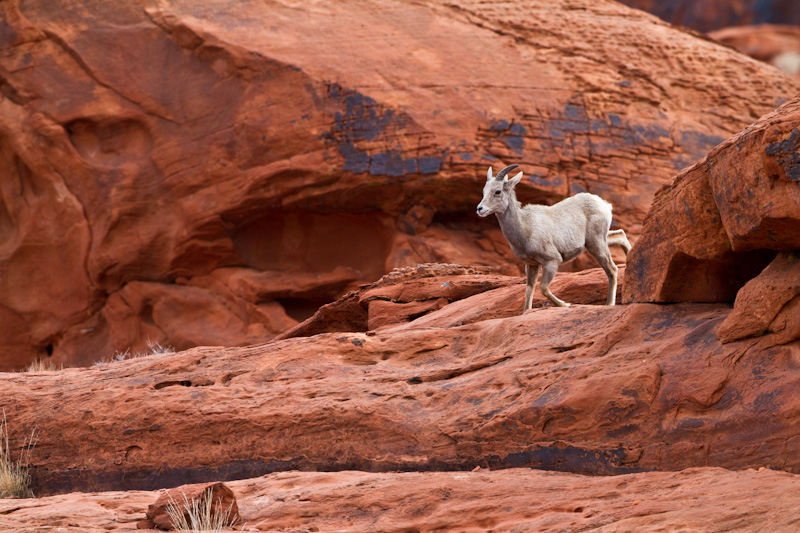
(502,173)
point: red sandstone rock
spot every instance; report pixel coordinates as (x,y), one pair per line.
(406,295)
(707,15)
(146,148)
(698,499)
(724,219)
(223,502)
(590,389)
(768,304)
(382,312)
(585,287)
(400,296)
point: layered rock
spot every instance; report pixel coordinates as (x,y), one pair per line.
(193,175)
(406,295)
(705,499)
(724,219)
(590,389)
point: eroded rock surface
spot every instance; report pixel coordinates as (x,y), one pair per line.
(406,295)
(590,389)
(191,175)
(768,304)
(698,499)
(722,221)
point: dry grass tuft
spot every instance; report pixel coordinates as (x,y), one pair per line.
(154,349)
(198,515)
(43,365)
(15,481)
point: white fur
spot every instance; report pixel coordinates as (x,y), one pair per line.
(546,236)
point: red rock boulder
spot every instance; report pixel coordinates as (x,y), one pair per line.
(768,304)
(215,501)
(722,221)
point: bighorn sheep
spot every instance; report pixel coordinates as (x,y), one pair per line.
(547,236)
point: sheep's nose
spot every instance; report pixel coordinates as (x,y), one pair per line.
(480,209)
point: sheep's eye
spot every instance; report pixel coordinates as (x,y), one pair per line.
(497,192)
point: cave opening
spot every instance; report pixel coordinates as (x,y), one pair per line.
(302,308)
(690,279)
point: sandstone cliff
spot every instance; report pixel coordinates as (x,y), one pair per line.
(211,175)
(279,167)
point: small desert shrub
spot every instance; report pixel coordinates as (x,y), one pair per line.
(198,515)
(15,481)
(154,349)
(42,365)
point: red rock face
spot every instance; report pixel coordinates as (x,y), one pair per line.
(590,389)
(702,499)
(410,295)
(212,175)
(768,304)
(724,219)
(707,15)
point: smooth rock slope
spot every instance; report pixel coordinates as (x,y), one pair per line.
(703,499)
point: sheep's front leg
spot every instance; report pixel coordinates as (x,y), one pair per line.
(531,273)
(548,273)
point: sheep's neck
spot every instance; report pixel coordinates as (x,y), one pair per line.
(511,226)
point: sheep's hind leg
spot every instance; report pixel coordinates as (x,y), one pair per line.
(603,256)
(548,273)
(617,237)
(531,273)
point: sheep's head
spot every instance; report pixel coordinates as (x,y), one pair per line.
(497,192)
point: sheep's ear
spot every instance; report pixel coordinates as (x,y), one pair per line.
(489,174)
(516,179)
